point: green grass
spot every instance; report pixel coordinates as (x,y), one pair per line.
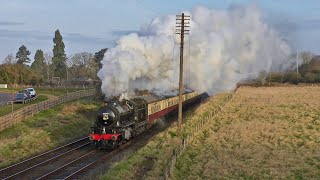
(51,91)
(8,108)
(47,129)
(57,91)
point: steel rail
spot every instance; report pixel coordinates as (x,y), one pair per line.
(61,167)
(99,161)
(43,154)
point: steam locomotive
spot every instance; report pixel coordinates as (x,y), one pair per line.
(119,121)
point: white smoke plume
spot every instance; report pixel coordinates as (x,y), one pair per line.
(226,46)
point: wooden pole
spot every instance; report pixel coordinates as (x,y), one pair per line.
(181,18)
(181,75)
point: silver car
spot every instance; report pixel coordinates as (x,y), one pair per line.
(32,92)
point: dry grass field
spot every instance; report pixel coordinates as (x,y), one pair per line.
(263,133)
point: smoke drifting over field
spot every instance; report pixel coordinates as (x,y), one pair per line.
(225,47)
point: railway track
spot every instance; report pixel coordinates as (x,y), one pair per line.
(75,160)
(76,168)
(66,162)
(35,166)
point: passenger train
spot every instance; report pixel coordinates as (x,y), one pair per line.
(119,121)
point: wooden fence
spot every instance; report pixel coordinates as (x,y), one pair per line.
(185,142)
(28,111)
(6,103)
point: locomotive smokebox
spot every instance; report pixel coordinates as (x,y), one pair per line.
(106,116)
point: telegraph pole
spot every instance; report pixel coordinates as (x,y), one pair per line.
(182,20)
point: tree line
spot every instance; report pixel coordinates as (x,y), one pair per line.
(48,68)
(56,67)
(307,72)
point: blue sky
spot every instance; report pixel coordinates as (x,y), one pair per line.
(90,25)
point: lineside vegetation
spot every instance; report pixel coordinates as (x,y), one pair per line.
(46,130)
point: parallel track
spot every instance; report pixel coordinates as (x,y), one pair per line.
(87,162)
(17,171)
(66,162)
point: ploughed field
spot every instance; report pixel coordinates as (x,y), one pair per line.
(263,132)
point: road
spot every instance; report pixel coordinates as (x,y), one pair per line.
(5,97)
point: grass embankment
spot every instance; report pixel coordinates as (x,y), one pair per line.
(50,91)
(46,130)
(150,161)
(8,108)
(263,133)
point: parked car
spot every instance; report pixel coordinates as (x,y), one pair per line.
(32,91)
(27,92)
(21,97)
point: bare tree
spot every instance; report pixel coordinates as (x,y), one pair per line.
(81,59)
(306,57)
(81,65)
(48,62)
(10,59)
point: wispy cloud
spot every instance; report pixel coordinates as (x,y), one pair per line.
(11,23)
(43,36)
(76,37)
(12,34)
(122,32)
(310,23)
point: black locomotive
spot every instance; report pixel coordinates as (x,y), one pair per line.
(119,121)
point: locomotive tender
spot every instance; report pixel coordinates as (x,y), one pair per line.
(118,122)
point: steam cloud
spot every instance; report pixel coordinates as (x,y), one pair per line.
(226,46)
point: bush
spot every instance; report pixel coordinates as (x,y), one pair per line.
(305,68)
(276,77)
(292,77)
(16,74)
(310,77)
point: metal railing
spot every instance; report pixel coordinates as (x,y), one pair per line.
(28,111)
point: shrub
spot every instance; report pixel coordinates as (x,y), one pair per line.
(310,77)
